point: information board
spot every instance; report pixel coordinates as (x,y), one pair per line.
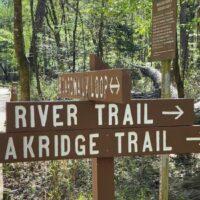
(164,29)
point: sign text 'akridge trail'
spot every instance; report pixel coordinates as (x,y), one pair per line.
(98,143)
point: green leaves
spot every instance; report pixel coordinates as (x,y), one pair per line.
(6,36)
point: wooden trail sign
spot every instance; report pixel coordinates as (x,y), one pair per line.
(105,85)
(56,116)
(164,29)
(98,143)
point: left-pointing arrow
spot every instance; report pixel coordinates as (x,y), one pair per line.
(178,113)
(192,139)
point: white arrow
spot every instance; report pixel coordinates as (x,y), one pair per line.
(193,139)
(179,112)
(114,86)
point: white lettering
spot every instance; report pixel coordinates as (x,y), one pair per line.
(43,114)
(80,149)
(56,145)
(157,140)
(32,113)
(100,108)
(139,113)
(146,120)
(43,145)
(165,147)
(132,140)
(93,144)
(128,116)
(119,136)
(65,145)
(56,115)
(147,142)
(10,150)
(27,146)
(71,114)
(113,113)
(18,116)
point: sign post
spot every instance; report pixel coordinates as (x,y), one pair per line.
(164,49)
(164,162)
(38,131)
(102,168)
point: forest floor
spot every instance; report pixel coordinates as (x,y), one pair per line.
(4,97)
(21,181)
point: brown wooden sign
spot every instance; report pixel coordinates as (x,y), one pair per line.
(164,29)
(99,143)
(104,85)
(57,116)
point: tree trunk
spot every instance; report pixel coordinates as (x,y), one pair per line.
(37,24)
(84,45)
(45,57)
(64,20)
(177,74)
(198,33)
(100,34)
(184,37)
(5,71)
(56,32)
(23,65)
(55,23)
(74,35)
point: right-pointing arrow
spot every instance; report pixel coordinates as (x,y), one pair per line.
(178,113)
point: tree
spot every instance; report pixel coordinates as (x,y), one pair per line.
(100,32)
(74,34)
(37,24)
(23,65)
(177,74)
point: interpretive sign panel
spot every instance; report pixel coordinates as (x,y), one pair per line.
(164,29)
(104,85)
(99,143)
(54,116)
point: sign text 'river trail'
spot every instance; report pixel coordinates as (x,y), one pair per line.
(56,116)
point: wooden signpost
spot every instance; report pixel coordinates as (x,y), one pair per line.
(107,127)
(103,186)
(110,126)
(164,41)
(105,85)
(38,131)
